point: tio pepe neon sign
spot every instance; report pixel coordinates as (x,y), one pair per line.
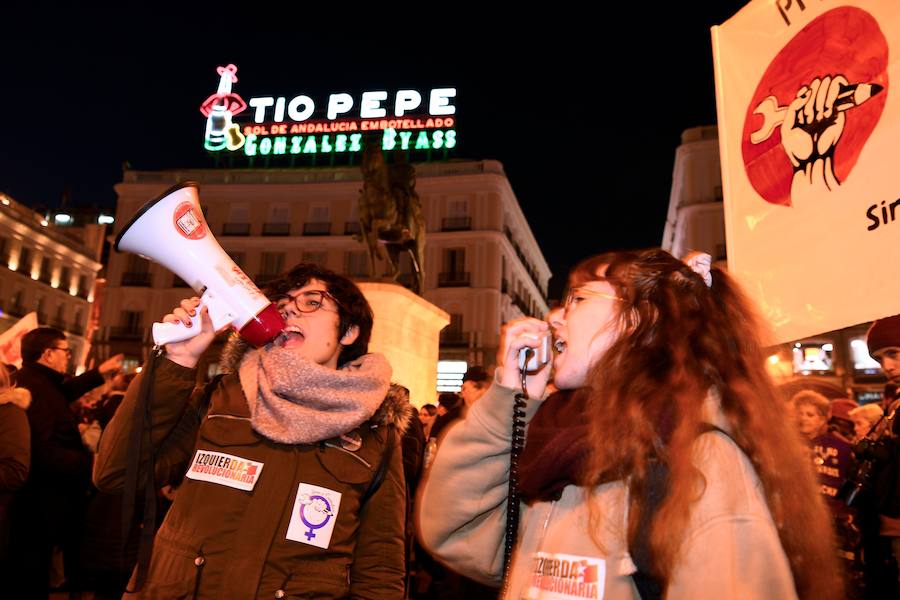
(283,126)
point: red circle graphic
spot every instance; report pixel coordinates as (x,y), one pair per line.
(845,41)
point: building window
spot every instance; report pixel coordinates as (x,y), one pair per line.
(16,304)
(453,334)
(239,258)
(25,261)
(457,218)
(46,268)
(454,272)
(137,272)
(59,320)
(39,309)
(131,323)
(279,221)
(356,264)
(238,222)
(65,278)
(319,220)
(271,266)
(316,258)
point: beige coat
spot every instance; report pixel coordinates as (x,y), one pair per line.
(732,548)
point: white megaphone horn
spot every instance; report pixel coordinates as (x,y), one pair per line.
(171,231)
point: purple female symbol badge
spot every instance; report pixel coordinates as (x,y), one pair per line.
(319,507)
(315,512)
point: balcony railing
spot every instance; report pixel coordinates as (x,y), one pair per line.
(453,279)
(276,229)
(351,228)
(41,317)
(317,229)
(142,279)
(78,329)
(16,310)
(236,229)
(262,279)
(456,223)
(59,324)
(126,333)
(454,338)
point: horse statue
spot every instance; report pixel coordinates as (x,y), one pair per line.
(390,215)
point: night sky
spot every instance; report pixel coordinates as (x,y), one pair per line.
(586,124)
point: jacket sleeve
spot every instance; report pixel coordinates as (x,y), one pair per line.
(379,570)
(15,448)
(175,421)
(462,504)
(76,387)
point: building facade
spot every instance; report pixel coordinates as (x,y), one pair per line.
(49,270)
(482,262)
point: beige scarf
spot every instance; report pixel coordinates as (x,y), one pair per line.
(296,401)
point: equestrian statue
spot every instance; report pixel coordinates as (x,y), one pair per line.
(390,215)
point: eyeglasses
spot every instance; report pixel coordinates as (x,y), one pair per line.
(68,351)
(307,302)
(575,296)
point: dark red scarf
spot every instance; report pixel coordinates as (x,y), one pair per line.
(557,447)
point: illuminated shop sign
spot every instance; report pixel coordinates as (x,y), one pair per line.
(267,125)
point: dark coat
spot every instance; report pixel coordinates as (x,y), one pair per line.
(15,454)
(240,537)
(49,509)
(59,460)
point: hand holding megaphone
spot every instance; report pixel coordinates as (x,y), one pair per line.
(194,317)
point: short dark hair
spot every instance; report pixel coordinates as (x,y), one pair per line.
(354,309)
(478,376)
(431,409)
(37,340)
(448,400)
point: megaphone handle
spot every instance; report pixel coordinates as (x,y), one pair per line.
(167,333)
(221,315)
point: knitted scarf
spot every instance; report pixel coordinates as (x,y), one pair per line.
(296,401)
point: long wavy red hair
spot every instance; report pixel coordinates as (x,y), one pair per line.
(679,339)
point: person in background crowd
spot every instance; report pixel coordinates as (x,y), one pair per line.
(840,421)
(450,408)
(475,383)
(15,459)
(830,452)
(864,419)
(688,487)
(427,415)
(49,510)
(883,503)
(290,465)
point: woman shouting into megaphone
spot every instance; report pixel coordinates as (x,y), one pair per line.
(291,481)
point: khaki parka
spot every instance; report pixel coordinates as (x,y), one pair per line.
(222,540)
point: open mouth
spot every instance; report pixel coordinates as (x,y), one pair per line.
(291,336)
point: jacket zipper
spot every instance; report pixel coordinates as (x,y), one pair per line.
(360,459)
(228,417)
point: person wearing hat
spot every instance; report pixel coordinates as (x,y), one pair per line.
(475,383)
(880,513)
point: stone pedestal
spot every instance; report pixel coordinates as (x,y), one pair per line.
(407,331)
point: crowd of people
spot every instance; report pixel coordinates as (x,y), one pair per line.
(652,456)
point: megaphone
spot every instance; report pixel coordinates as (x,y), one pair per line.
(170,230)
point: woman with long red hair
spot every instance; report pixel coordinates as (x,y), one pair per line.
(667,469)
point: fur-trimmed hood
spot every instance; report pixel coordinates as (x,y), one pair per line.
(395,410)
(18,396)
